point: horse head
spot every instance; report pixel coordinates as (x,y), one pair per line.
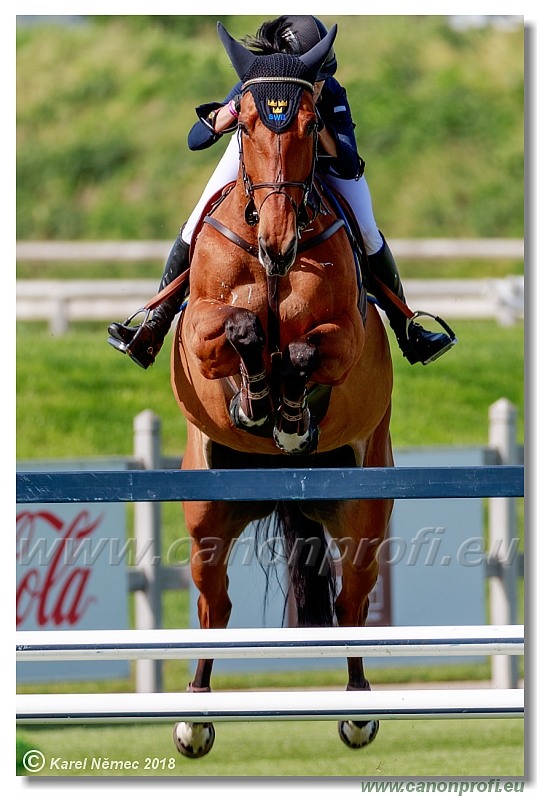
(277,128)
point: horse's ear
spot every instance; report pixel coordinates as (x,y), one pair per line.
(241,58)
(315,57)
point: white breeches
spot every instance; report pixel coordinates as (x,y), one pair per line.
(226,171)
(356,193)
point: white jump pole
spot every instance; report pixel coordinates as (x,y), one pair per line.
(271,643)
(258,706)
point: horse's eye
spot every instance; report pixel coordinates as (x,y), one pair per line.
(311,128)
(242,128)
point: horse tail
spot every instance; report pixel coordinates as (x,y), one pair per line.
(311,575)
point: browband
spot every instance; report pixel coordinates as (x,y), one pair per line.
(298,81)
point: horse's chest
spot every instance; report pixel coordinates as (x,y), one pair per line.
(304,302)
(298,304)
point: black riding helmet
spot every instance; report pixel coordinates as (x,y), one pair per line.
(302,33)
(295,34)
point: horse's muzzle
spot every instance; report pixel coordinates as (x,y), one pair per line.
(277,264)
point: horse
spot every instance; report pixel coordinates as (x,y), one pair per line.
(274,365)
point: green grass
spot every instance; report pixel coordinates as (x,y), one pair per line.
(77,396)
(275,749)
(447,402)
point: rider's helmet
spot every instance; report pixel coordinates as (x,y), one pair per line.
(300,34)
(296,35)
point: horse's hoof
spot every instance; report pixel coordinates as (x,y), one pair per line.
(358,734)
(262,427)
(194,739)
(295,445)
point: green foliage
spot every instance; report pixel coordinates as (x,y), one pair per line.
(103,112)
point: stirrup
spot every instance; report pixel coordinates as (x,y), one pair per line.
(118,344)
(447,328)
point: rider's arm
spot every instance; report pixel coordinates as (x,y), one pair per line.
(327,142)
(215,119)
(339,128)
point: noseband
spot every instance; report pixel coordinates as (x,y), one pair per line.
(251,214)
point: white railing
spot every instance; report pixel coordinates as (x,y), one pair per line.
(81,709)
(399,640)
(158,250)
(60,302)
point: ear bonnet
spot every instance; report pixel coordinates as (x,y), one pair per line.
(277,81)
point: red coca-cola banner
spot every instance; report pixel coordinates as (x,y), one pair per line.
(51,589)
(71,574)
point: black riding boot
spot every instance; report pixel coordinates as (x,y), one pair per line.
(416,343)
(143,342)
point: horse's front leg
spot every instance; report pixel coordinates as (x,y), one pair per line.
(294,430)
(251,409)
(325,356)
(213,528)
(359,575)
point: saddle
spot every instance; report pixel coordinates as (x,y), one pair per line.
(343,211)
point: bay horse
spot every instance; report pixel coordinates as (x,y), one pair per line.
(273,364)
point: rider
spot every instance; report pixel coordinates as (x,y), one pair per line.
(343,169)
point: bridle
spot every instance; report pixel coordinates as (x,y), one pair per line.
(251,214)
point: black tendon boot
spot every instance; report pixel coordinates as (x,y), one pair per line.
(143,342)
(416,343)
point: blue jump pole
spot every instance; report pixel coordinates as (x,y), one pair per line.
(269,484)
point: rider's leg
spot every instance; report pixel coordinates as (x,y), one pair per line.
(145,346)
(143,342)
(416,343)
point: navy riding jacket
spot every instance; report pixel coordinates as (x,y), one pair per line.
(334,110)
